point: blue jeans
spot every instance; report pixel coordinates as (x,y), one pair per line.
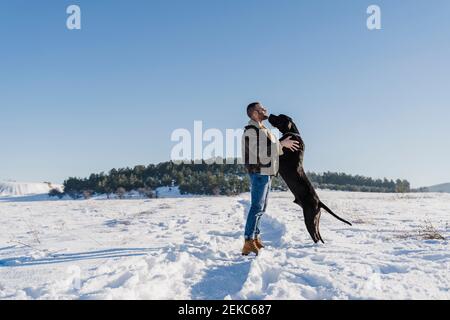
(259,193)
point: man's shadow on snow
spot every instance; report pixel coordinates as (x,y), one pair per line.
(221,281)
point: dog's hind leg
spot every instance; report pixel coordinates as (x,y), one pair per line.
(320,236)
(312,221)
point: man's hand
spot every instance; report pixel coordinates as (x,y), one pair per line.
(290,144)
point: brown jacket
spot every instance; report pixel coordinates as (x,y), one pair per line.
(260,155)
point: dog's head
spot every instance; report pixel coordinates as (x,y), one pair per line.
(283,123)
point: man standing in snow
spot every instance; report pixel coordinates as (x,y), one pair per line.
(261,150)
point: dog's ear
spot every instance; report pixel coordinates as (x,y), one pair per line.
(285,116)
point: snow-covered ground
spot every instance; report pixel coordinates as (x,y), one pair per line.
(189,248)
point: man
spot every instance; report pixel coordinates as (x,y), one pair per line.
(261,150)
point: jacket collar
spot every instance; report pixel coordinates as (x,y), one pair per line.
(256,124)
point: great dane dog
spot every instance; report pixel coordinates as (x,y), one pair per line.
(292,172)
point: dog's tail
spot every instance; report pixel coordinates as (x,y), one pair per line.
(322,205)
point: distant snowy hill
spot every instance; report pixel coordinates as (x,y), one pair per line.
(445,187)
(16,189)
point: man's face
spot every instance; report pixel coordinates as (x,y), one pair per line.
(261,113)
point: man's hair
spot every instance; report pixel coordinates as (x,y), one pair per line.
(251,107)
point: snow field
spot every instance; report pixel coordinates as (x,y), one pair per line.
(189,248)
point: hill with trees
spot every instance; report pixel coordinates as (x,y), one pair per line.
(209,179)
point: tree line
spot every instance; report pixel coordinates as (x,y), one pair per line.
(207,179)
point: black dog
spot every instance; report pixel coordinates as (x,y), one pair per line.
(292,172)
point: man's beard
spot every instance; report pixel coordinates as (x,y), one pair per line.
(265,117)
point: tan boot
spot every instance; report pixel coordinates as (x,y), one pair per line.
(259,243)
(249,246)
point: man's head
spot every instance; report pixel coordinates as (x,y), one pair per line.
(257,112)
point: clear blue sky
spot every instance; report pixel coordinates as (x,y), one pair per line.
(375,103)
